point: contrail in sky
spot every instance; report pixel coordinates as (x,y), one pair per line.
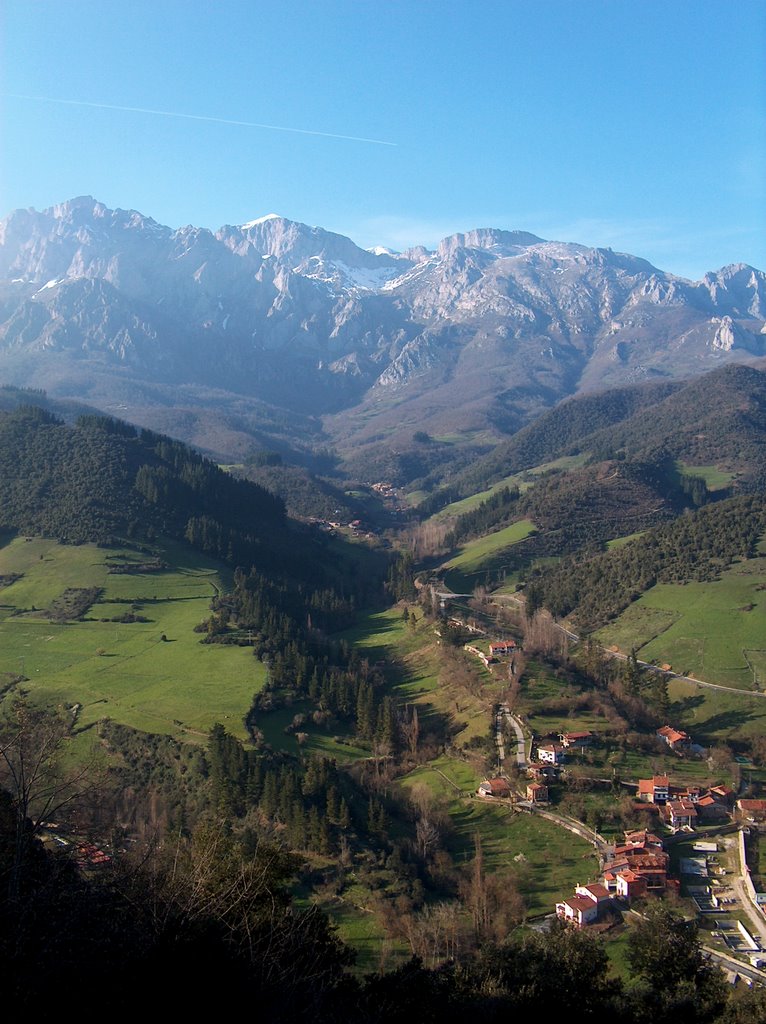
(199,117)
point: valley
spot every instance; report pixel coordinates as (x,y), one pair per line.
(318,635)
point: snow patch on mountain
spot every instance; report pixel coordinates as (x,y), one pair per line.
(260,220)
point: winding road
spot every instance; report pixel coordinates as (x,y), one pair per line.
(504,712)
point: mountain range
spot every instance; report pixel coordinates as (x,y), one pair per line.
(275,333)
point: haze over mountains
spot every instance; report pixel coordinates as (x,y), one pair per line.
(279,324)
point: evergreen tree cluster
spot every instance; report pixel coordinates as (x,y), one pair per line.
(305,807)
(492,514)
(100,478)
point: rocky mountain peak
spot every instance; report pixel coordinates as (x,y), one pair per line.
(501,243)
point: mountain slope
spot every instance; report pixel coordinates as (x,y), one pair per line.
(718,419)
(481,334)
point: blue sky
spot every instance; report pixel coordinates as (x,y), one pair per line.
(630,123)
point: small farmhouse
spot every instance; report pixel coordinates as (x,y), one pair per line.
(655,790)
(676,739)
(578,910)
(551,753)
(501,648)
(576,740)
(586,906)
(495,788)
(537,792)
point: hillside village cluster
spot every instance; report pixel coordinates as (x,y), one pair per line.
(639,865)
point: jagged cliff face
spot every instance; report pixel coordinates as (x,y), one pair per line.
(491,326)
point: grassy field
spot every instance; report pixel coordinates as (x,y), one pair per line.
(547,859)
(418,677)
(715,479)
(715,631)
(124,671)
(463,571)
(619,542)
(318,742)
(521,480)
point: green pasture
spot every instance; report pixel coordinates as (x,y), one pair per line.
(318,741)
(619,542)
(716,716)
(124,671)
(414,671)
(521,480)
(550,861)
(715,631)
(386,637)
(464,570)
(715,479)
(361,929)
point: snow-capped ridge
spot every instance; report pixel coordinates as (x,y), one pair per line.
(261,220)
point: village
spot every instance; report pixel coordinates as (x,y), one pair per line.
(691,850)
(693,843)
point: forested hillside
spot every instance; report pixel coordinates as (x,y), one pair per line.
(696,546)
(100,479)
(718,419)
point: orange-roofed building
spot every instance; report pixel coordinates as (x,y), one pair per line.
(655,790)
(675,738)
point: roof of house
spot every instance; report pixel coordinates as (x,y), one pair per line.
(597,890)
(577,735)
(641,837)
(579,903)
(628,876)
(684,808)
(535,786)
(550,746)
(751,805)
(672,735)
(649,785)
(724,791)
(496,785)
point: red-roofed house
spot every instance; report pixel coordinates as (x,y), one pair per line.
(501,647)
(723,793)
(495,787)
(595,891)
(680,814)
(655,790)
(576,739)
(753,810)
(579,910)
(675,738)
(710,809)
(642,838)
(630,885)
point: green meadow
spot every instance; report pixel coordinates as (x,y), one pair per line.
(547,859)
(521,480)
(715,631)
(415,676)
(123,671)
(463,571)
(715,479)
